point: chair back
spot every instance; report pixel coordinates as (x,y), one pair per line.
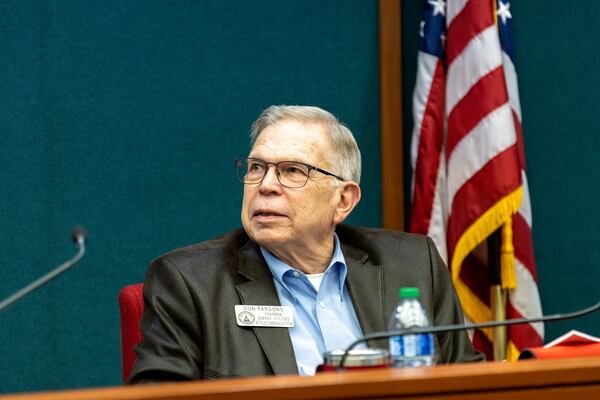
(131,306)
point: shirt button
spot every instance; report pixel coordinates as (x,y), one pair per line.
(322,304)
(296,274)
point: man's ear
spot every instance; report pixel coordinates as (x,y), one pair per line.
(349,196)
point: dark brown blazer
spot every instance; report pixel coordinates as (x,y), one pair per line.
(189,324)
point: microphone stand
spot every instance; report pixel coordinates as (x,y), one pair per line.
(78,235)
(452,328)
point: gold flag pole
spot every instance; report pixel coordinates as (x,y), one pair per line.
(497,294)
(498,299)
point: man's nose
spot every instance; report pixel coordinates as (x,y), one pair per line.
(270,181)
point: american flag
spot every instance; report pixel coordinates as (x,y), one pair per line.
(468,160)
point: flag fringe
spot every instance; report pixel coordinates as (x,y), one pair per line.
(479,231)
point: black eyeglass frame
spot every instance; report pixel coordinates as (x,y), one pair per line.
(276,164)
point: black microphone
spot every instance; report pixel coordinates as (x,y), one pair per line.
(460,327)
(78,235)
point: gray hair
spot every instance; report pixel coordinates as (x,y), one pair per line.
(347,155)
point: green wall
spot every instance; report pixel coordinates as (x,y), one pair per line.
(557,59)
(124,116)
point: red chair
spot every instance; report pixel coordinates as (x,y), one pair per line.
(131,305)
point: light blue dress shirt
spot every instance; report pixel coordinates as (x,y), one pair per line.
(324,320)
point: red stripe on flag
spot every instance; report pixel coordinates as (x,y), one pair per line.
(474,272)
(428,159)
(476,16)
(520,144)
(523,244)
(523,335)
(482,343)
(485,96)
(498,178)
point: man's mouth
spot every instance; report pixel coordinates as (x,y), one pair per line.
(262,213)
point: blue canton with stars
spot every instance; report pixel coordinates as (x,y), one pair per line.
(433,28)
(505,27)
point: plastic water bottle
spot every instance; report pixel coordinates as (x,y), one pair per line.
(410,350)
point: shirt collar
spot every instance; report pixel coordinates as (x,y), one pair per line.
(279,268)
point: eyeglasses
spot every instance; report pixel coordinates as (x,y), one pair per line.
(291,174)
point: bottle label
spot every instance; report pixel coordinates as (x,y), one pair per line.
(411,345)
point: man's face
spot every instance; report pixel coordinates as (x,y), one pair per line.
(275,216)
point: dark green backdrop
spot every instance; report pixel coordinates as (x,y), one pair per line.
(124,116)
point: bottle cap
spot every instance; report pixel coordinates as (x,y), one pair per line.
(409,293)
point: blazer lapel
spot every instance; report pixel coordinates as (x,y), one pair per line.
(260,290)
(365,286)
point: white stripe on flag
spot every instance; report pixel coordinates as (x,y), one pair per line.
(525,298)
(479,57)
(512,86)
(453,8)
(439,214)
(492,135)
(425,70)
(525,209)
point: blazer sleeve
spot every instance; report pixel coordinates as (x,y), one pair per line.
(172,347)
(454,346)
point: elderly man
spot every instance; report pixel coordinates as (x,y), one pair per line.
(294,283)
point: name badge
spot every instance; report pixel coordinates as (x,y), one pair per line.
(267,316)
